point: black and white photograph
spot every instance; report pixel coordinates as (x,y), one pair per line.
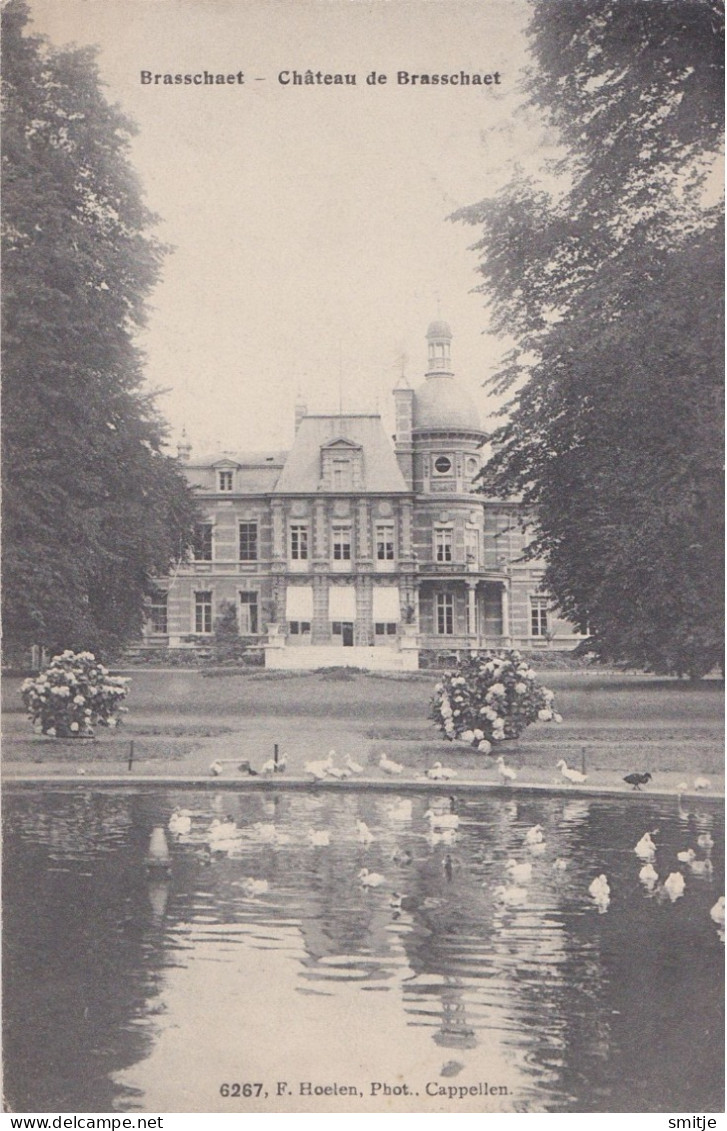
(363,558)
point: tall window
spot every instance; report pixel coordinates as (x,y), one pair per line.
(385,543)
(248,613)
(203,612)
(248,541)
(443,544)
(472,546)
(538,616)
(224,480)
(342,543)
(445,614)
(299,543)
(158,613)
(202,548)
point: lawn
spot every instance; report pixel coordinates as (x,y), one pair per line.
(616,722)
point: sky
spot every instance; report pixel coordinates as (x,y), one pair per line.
(310,228)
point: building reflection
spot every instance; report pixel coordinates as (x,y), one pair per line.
(562,1000)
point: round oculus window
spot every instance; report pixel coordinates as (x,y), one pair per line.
(442,465)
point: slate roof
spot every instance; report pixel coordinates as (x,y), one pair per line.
(258,472)
(302,471)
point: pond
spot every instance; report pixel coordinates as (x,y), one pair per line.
(465,982)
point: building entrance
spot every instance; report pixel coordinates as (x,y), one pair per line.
(347,633)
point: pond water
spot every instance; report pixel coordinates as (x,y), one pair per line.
(129,991)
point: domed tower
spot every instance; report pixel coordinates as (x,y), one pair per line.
(444,437)
(446,432)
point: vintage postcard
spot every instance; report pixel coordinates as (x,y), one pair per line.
(323,866)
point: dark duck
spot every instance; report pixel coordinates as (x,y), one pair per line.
(637,780)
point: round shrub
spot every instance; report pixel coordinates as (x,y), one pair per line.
(490,697)
(73,695)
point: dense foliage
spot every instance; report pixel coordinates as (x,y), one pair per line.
(73,695)
(227,643)
(609,273)
(92,507)
(488,698)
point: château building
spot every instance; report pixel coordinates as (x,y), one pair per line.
(351,549)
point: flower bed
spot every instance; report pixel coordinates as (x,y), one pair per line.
(73,695)
(489,698)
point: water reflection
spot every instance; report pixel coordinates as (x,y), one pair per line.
(127,989)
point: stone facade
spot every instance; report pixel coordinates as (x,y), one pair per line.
(348,550)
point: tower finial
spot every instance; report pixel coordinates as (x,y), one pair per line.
(439,339)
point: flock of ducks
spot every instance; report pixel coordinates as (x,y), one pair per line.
(326,768)
(223,837)
(674,886)
(519,873)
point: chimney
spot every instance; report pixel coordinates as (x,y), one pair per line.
(184,448)
(301,410)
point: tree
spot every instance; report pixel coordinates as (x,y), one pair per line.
(609,273)
(92,507)
(227,645)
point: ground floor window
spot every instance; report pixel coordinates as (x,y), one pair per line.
(203,612)
(299,627)
(158,613)
(344,629)
(445,614)
(538,616)
(248,614)
(385,628)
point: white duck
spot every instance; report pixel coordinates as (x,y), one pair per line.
(645,849)
(716,913)
(180,823)
(649,876)
(265,832)
(534,835)
(600,892)
(440,820)
(507,774)
(559,864)
(363,833)
(674,885)
(511,896)
(575,777)
(706,842)
(216,768)
(686,856)
(338,772)
(522,873)
(702,783)
(400,810)
(253,887)
(370,879)
(319,838)
(222,830)
(701,867)
(441,836)
(319,768)
(438,772)
(352,766)
(389,766)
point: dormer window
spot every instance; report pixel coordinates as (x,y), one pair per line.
(342,467)
(224,481)
(342,475)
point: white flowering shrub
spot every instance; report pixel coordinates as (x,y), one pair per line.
(489,698)
(73,695)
